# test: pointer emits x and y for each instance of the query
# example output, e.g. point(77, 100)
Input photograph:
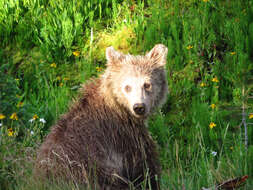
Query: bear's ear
point(113, 57)
point(158, 55)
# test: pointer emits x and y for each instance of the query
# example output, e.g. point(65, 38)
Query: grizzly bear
point(103, 142)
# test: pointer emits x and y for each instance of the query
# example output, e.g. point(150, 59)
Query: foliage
point(48, 48)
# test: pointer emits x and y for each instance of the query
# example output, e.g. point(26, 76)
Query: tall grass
point(49, 48)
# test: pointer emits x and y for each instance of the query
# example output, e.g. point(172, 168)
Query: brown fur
point(99, 142)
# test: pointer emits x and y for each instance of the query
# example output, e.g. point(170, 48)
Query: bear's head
point(136, 83)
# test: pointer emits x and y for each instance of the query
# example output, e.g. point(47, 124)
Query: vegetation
point(48, 48)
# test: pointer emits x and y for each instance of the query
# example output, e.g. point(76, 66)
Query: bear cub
point(102, 141)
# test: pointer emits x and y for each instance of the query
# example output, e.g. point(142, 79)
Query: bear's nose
point(139, 108)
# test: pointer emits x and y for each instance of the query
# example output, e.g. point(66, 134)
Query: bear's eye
point(127, 88)
point(147, 86)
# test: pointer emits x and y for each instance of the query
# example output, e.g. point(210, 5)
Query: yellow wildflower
point(231, 148)
point(61, 84)
point(58, 78)
point(191, 62)
point(2, 116)
point(14, 116)
point(212, 125)
point(232, 53)
point(205, 1)
point(76, 53)
point(215, 79)
point(202, 84)
point(65, 78)
point(212, 106)
point(53, 65)
point(189, 47)
point(99, 69)
point(10, 132)
point(251, 116)
point(35, 117)
point(20, 104)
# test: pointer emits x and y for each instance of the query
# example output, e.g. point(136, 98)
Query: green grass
point(207, 40)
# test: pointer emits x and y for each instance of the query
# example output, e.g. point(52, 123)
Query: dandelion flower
point(205, 1)
point(214, 153)
point(2, 116)
point(20, 104)
point(76, 53)
point(99, 69)
point(58, 78)
point(215, 79)
point(232, 53)
point(42, 120)
point(213, 106)
point(189, 47)
point(10, 132)
point(14, 116)
point(61, 84)
point(202, 84)
point(53, 65)
point(212, 125)
point(35, 116)
point(251, 116)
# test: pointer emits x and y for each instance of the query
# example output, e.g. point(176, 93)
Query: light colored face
point(137, 82)
point(137, 92)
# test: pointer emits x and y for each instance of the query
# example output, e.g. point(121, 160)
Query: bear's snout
point(139, 108)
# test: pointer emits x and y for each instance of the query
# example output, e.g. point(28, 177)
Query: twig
point(244, 120)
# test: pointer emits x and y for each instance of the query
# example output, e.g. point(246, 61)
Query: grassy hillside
point(48, 48)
